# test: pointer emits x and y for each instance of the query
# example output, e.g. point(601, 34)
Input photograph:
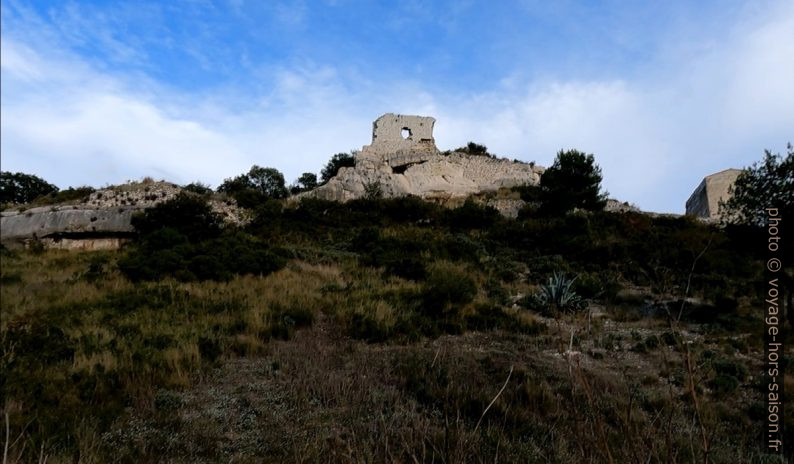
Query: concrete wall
point(704, 201)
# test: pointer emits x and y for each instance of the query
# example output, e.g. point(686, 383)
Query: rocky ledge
point(102, 221)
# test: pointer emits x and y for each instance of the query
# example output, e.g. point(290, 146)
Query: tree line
point(573, 181)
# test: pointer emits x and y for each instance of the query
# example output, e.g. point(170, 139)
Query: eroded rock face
point(412, 165)
point(66, 220)
point(103, 221)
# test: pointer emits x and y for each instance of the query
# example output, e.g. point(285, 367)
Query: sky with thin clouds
point(662, 93)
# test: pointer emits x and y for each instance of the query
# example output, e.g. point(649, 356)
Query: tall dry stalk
point(687, 358)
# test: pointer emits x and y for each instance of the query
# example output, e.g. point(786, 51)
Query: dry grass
point(262, 369)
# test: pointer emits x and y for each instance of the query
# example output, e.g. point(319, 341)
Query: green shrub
point(546, 266)
point(20, 188)
point(447, 288)
point(71, 194)
point(724, 384)
point(366, 327)
point(198, 188)
point(373, 190)
point(472, 215)
point(588, 285)
point(474, 149)
point(182, 238)
point(461, 247)
point(333, 166)
point(399, 257)
point(410, 267)
point(731, 368)
point(187, 214)
point(572, 181)
point(210, 348)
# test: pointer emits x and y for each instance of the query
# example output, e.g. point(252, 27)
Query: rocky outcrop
point(403, 160)
point(617, 206)
point(102, 221)
point(65, 220)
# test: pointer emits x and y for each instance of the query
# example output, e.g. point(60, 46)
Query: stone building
point(704, 201)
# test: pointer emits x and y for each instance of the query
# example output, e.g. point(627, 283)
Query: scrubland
point(391, 331)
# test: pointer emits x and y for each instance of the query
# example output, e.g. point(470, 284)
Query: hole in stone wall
point(406, 132)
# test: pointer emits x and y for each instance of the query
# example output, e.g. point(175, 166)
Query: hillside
point(389, 330)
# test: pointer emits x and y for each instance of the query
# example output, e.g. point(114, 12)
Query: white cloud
point(655, 136)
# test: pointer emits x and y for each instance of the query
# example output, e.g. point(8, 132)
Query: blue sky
point(662, 93)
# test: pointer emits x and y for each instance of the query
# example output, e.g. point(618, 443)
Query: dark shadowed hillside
point(389, 330)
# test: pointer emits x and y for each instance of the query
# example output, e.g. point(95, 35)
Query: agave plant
point(557, 294)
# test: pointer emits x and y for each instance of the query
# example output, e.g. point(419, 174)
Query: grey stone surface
point(101, 221)
point(616, 206)
point(398, 138)
point(414, 166)
point(704, 201)
point(65, 220)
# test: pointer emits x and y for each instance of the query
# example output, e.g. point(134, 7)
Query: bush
point(167, 401)
point(760, 186)
point(307, 181)
point(365, 327)
point(333, 166)
point(472, 215)
point(572, 181)
point(187, 214)
point(588, 285)
point(258, 185)
point(210, 348)
point(183, 239)
point(23, 188)
point(731, 368)
point(399, 257)
point(373, 190)
point(724, 384)
point(198, 188)
point(411, 268)
point(474, 149)
point(69, 195)
point(447, 289)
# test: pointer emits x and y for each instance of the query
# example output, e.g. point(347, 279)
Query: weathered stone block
point(704, 201)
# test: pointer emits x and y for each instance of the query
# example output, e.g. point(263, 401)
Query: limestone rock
point(403, 160)
point(616, 206)
point(47, 221)
point(103, 221)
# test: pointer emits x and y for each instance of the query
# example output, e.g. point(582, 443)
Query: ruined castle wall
point(396, 134)
point(704, 201)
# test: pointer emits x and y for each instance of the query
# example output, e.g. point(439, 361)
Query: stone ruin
point(398, 140)
point(705, 200)
point(403, 160)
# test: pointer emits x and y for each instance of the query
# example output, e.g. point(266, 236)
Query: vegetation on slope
point(389, 330)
